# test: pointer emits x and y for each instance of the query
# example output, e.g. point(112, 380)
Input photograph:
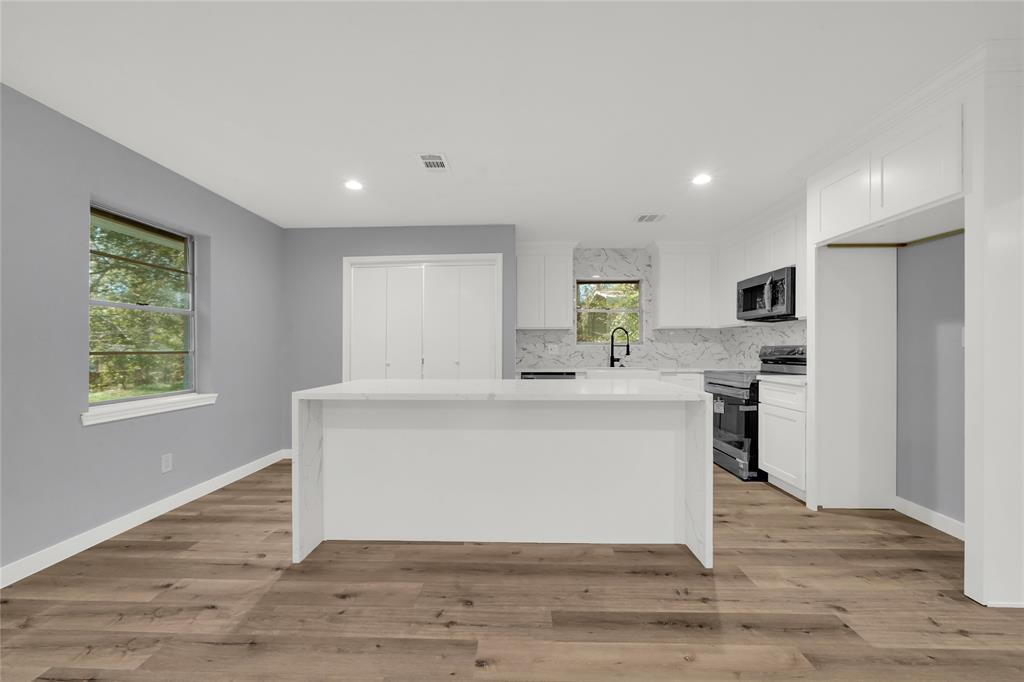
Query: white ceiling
point(565, 119)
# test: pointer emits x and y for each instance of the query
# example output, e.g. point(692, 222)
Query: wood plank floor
point(207, 592)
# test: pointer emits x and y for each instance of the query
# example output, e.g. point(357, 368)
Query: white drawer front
point(783, 395)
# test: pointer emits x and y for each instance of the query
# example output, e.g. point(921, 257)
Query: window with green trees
point(601, 306)
point(141, 311)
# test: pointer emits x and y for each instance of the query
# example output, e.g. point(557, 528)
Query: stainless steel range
point(734, 395)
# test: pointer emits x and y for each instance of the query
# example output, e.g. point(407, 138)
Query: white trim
point(348, 262)
point(24, 567)
point(788, 488)
point(946, 524)
point(1005, 604)
point(112, 412)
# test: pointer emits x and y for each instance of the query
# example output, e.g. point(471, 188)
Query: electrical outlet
point(552, 347)
point(166, 462)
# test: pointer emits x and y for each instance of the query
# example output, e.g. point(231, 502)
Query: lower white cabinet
point(782, 444)
point(782, 435)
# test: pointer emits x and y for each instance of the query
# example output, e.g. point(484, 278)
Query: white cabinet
point(909, 167)
point(682, 276)
point(839, 199)
point(730, 270)
point(413, 320)
point(917, 164)
point(758, 256)
point(544, 286)
point(782, 435)
point(782, 444)
point(529, 291)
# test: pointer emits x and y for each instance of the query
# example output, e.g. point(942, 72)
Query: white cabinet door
point(558, 291)
point(782, 444)
point(839, 199)
point(682, 286)
point(544, 290)
point(801, 265)
point(477, 342)
point(758, 256)
point(530, 291)
point(917, 164)
point(441, 321)
point(783, 244)
point(405, 322)
point(697, 289)
point(368, 320)
point(730, 267)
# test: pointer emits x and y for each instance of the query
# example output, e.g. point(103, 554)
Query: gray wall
point(930, 456)
point(60, 478)
point(313, 290)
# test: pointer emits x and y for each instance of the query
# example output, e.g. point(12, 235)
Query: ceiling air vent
point(649, 217)
point(435, 163)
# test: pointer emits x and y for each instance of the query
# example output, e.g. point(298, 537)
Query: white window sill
point(101, 414)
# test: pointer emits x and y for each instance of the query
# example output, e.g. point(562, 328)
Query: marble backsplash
point(733, 347)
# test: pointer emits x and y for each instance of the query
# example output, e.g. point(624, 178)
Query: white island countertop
point(503, 389)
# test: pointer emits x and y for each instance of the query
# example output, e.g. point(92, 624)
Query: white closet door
point(476, 327)
point(405, 322)
point(368, 336)
point(441, 322)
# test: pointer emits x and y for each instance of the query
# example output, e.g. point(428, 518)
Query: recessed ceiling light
point(354, 185)
point(701, 179)
point(595, 277)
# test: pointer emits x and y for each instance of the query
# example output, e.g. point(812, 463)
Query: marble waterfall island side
point(597, 461)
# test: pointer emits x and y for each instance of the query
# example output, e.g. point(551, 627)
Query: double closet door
point(423, 320)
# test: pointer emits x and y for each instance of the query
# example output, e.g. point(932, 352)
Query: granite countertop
point(503, 389)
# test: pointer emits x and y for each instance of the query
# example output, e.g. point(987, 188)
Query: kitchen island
point(596, 461)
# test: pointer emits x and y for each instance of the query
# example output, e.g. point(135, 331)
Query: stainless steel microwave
point(770, 297)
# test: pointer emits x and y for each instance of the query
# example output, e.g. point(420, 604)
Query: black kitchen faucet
point(611, 354)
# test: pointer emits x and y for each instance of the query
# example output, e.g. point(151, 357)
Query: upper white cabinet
point(683, 285)
point(911, 166)
point(917, 164)
point(544, 285)
point(839, 199)
point(730, 270)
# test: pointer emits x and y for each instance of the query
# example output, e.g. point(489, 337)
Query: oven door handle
point(719, 389)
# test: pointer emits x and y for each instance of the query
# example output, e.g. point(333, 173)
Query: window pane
point(116, 280)
point(127, 330)
point(608, 295)
point(121, 238)
point(115, 377)
point(596, 327)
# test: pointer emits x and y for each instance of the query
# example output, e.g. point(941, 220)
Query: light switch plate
point(166, 462)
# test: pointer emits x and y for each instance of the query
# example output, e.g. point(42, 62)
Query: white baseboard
point(24, 567)
point(946, 524)
point(1005, 604)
